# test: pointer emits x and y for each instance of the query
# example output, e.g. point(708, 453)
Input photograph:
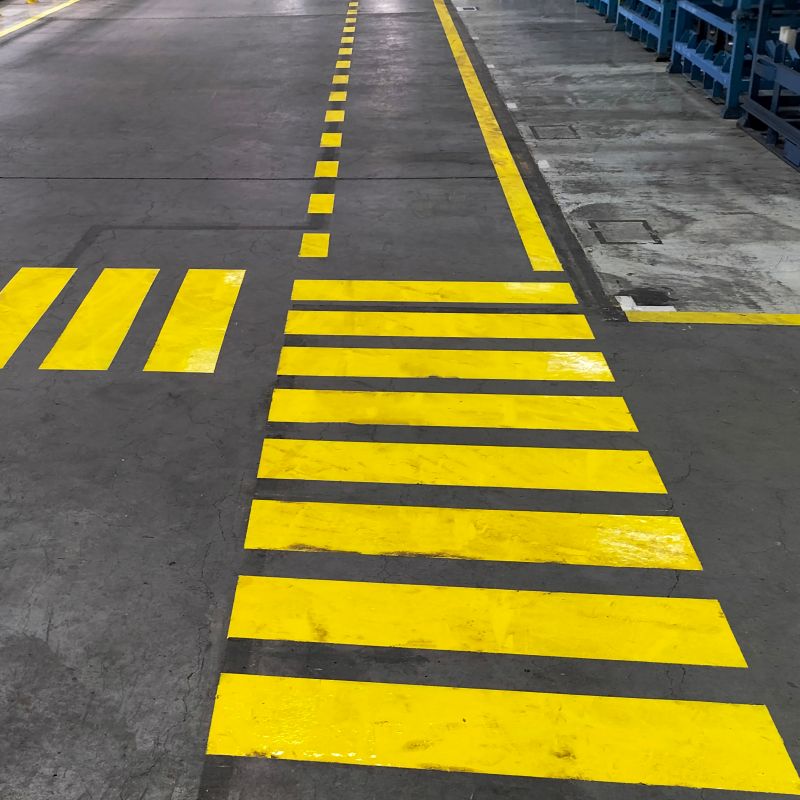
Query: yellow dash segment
point(369, 362)
point(320, 204)
point(438, 325)
point(330, 140)
point(434, 292)
point(349, 29)
point(341, 79)
point(568, 469)
point(713, 318)
point(665, 630)
point(99, 326)
point(445, 409)
point(537, 244)
point(347, 39)
point(314, 245)
point(34, 19)
point(342, 65)
point(350, 20)
point(334, 115)
point(337, 97)
point(23, 301)
point(601, 540)
point(326, 169)
point(345, 51)
point(194, 330)
point(533, 734)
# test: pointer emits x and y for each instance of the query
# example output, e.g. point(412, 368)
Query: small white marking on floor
point(512, 106)
point(543, 164)
point(627, 303)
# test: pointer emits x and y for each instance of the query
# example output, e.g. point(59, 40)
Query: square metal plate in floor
point(554, 132)
point(624, 231)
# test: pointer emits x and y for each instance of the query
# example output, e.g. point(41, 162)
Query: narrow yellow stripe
point(602, 540)
point(341, 79)
point(194, 330)
point(537, 245)
point(31, 20)
point(347, 39)
point(23, 301)
point(445, 409)
point(713, 317)
point(350, 20)
point(349, 29)
point(99, 326)
point(330, 140)
point(540, 735)
point(320, 204)
point(334, 115)
point(461, 465)
point(337, 97)
point(664, 630)
point(314, 245)
point(345, 51)
point(374, 362)
point(326, 169)
point(434, 291)
point(438, 325)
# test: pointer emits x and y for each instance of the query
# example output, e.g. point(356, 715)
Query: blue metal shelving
point(649, 21)
point(606, 8)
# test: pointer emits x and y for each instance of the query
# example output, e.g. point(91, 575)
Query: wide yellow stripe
point(433, 291)
point(603, 540)
point(713, 318)
point(193, 332)
point(537, 245)
point(545, 412)
point(374, 362)
point(461, 465)
point(35, 18)
point(23, 301)
point(441, 325)
point(99, 326)
point(559, 624)
point(540, 735)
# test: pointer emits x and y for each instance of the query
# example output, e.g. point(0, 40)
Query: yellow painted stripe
point(192, 335)
point(342, 64)
point(532, 734)
point(713, 317)
point(602, 540)
point(433, 291)
point(23, 301)
point(341, 79)
point(314, 245)
point(349, 29)
point(446, 409)
point(350, 20)
point(334, 115)
point(99, 326)
point(375, 362)
point(461, 465)
point(320, 204)
point(337, 97)
point(537, 245)
point(438, 325)
point(345, 51)
point(35, 18)
point(326, 169)
point(330, 140)
point(347, 39)
point(664, 630)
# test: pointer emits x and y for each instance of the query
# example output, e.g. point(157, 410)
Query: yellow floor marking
point(438, 325)
point(314, 245)
point(326, 169)
point(434, 291)
point(99, 326)
point(461, 465)
point(337, 97)
point(532, 734)
point(347, 39)
point(665, 630)
point(341, 79)
point(446, 409)
point(345, 51)
point(713, 317)
point(320, 204)
point(334, 115)
point(374, 362)
point(349, 29)
point(602, 540)
point(342, 65)
point(23, 301)
point(537, 245)
point(32, 20)
point(194, 330)
point(350, 20)
point(330, 140)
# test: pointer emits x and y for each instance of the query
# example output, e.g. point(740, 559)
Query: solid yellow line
point(603, 540)
point(438, 325)
point(537, 244)
point(461, 465)
point(314, 245)
point(713, 318)
point(99, 326)
point(446, 409)
point(375, 362)
point(433, 291)
point(194, 330)
point(541, 735)
point(31, 20)
point(665, 630)
point(23, 301)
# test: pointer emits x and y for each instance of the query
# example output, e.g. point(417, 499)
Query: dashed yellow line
point(330, 139)
point(314, 245)
point(320, 204)
point(326, 169)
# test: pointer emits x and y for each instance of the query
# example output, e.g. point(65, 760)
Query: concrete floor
point(172, 134)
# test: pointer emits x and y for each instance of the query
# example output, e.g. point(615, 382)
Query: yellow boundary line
point(534, 238)
point(713, 317)
point(31, 20)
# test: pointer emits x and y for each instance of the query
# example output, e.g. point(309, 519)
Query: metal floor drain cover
point(624, 231)
point(554, 132)
point(651, 296)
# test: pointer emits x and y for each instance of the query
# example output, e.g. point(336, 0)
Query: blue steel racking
point(649, 21)
point(606, 8)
